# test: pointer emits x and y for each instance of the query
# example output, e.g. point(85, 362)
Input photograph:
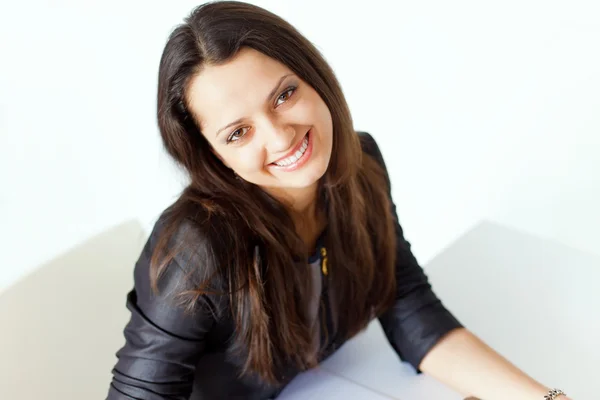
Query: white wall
point(483, 111)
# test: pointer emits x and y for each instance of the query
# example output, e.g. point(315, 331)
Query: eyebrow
point(271, 94)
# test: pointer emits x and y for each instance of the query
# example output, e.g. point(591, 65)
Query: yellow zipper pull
point(324, 262)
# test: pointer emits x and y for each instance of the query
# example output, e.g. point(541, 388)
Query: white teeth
point(296, 156)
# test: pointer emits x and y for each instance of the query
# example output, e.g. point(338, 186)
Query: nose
point(278, 137)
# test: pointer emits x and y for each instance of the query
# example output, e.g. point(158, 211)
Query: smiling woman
point(241, 282)
point(286, 242)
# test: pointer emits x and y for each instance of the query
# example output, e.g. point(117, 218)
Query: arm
point(461, 360)
point(424, 333)
point(418, 319)
point(162, 343)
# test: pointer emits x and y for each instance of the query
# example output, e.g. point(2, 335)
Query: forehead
point(222, 93)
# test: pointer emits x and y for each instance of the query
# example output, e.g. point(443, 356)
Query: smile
point(298, 157)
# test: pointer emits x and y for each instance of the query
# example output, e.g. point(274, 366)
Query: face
point(264, 122)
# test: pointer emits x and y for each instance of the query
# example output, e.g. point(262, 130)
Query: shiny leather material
point(169, 354)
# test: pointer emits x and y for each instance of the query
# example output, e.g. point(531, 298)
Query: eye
point(283, 97)
point(237, 135)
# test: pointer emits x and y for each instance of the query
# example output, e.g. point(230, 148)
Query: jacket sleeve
point(163, 343)
point(418, 319)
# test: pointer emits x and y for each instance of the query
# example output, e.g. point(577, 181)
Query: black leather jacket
point(170, 355)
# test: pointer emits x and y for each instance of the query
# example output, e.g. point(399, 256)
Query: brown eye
point(283, 97)
point(237, 135)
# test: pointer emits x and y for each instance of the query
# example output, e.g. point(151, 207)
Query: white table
point(369, 368)
point(534, 300)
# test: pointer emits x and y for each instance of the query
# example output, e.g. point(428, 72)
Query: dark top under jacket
point(169, 354)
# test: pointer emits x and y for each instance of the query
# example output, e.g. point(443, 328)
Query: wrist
point(556, 394)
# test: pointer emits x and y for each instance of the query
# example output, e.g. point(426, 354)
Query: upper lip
point(293, 151)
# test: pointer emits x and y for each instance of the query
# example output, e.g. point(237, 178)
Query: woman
point(285, 243)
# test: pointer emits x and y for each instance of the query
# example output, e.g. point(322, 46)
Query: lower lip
point(301, 161)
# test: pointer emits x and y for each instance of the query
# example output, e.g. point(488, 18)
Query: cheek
point(305, 110)
point(246, 160)
point(318, 111)
point(325, 114)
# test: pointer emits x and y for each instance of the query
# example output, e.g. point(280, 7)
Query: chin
point(308, 179)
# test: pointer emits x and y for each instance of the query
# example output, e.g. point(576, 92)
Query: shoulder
point(184, 249)
point(370, 147)
point(173, 304)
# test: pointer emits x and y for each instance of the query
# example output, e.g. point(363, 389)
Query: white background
point(483, 110)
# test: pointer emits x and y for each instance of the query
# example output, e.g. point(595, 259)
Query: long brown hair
point(249, 238)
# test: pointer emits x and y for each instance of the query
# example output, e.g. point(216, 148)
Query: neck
point(304, 203)
point(299, 202)
point(302, 206)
